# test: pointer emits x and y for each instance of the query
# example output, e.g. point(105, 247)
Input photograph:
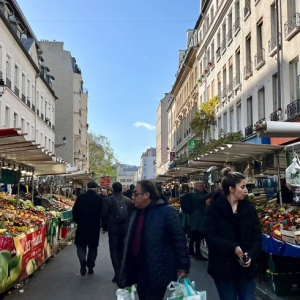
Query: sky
point(128, 53)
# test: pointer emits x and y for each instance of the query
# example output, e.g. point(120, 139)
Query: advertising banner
point(30, 246)
point(105, 181)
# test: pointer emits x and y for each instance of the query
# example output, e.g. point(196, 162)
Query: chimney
point(190, 34)
point(181, 54)
point(13, 21)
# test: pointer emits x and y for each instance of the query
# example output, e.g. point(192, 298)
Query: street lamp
point(64, 141)
point(2, 87)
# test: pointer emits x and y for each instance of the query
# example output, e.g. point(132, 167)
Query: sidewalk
point(60, 279)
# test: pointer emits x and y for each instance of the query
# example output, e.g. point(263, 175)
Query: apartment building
point(126, 174)
point(29, 99)
point(162, 147)
point(147, 167)
point(232, 53)
point(71, 108)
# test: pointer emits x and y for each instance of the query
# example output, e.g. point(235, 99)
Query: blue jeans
point(239, 288)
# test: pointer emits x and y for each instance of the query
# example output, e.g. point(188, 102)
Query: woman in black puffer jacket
point(232, 232)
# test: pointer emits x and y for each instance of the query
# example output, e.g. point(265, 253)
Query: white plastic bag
point(292, 173)
point(127, 294)
point(185, 291)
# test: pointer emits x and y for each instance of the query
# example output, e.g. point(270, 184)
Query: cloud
point(143, 124)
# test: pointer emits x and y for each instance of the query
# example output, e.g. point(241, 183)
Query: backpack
point(120, 215)
point(186, 202)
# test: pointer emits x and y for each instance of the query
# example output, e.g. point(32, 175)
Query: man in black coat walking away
point(115, 216)
point(128, 193)
point(155, 250)
point(87, 212)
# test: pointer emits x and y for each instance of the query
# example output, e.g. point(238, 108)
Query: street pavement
point(60, 279)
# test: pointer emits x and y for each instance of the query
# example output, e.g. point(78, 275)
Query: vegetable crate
point(284, 284)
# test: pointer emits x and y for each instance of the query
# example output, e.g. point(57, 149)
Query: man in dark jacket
point(128, 193)
point(155, 250)
point(87, 212)
point(196, 219)
point(114, 221)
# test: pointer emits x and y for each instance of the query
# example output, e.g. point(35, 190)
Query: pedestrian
point(233, 236)
point(128, 193)
point(104, 193)
point(155, 250)
point(196, 220)
point(115, 217)
point(87, 212)
point(286, 193)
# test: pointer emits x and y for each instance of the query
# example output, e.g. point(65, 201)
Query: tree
point(102, 160)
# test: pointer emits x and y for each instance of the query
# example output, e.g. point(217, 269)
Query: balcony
point(230, 88)
point(28, 103)
point(8, 83)
point(261, 120)
point(237, 26)
point(53, 127)
point(248, 130)
point(223, 46)
point(16, 91)
point(247, 10)
point(229, 37)
point(237, 81)
point(218, 54)
point(23, 98)
point(273, 45)
point(42, 116)
point(248, 71)
point(259, 59)
point(38, 112)
point(49, 123)
point(275, 116)
point(33, 107)
point(293, 109)
point(224, 94)
point(292, 27)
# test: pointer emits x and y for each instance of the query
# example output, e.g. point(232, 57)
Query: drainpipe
point(278, 57)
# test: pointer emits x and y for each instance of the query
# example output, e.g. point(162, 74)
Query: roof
point(79, 176)
point(16, 149)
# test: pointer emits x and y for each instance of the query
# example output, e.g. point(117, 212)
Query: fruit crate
point(283, 264)
point(284, 284)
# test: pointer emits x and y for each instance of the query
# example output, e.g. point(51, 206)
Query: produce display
point(174, 202)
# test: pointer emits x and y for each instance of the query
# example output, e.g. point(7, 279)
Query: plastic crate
point(284, 284)
point(283, 264)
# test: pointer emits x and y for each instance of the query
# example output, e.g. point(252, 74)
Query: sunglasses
point(135, 193)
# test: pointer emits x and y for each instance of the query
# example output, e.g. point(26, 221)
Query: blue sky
point(128, 53)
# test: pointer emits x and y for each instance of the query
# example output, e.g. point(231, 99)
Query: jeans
point(239, 288)
point(116, 250)
point(195, 238)
point(91, 256)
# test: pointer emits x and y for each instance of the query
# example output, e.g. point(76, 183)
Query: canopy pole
point(32, 187)
point(279, 185)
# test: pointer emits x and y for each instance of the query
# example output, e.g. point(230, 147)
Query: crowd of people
point(149, 246)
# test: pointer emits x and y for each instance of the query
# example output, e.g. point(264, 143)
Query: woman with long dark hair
point(233, 235)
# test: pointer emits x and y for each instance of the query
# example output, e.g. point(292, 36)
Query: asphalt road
point(60, 279)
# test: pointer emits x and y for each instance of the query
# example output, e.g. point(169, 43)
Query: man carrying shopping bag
point(155, 249)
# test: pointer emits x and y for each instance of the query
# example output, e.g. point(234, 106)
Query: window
point(259, 28)
point(248, 49)
point(23, 125)
point(28, 88)
point(230, 74)
point(8, 67)
point(239, 116)
point(231, 119)
point(291, 8)
point(37, 137)
point(212, 14)
point(15, 120)
point(1, 71)
point(237, 66)
point(261, 103)
point(208, 92)
point(28, 131)
point(275, 91)
point(7, 117)
point(16, 79)
point(23, 85)
point(237, 12)
point(42, 139)
point(229, 27)
point(219, 126)
point(213, 89)
point(249, 112)
point(273, 21)
point(294, 82)
point(219, 85)
point(225, 122)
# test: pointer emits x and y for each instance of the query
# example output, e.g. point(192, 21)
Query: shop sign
point(105, 181)
point(192, 145)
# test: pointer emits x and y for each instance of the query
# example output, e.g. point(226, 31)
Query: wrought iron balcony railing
point(38, 112)
point(23, 98)
point(33, 107)
point(259, 59)
point(293, 109)
point(16, 91)
point(237, 80)
point(248, 70)
point(274, 116)
point(8, 83)
point(261, 120)
point(237, 25)
point(247, 8)
point(273, 43)
point(42, 116)
point(292, 26)
point(229, 36)
point(249, 130)
point(28, 103)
